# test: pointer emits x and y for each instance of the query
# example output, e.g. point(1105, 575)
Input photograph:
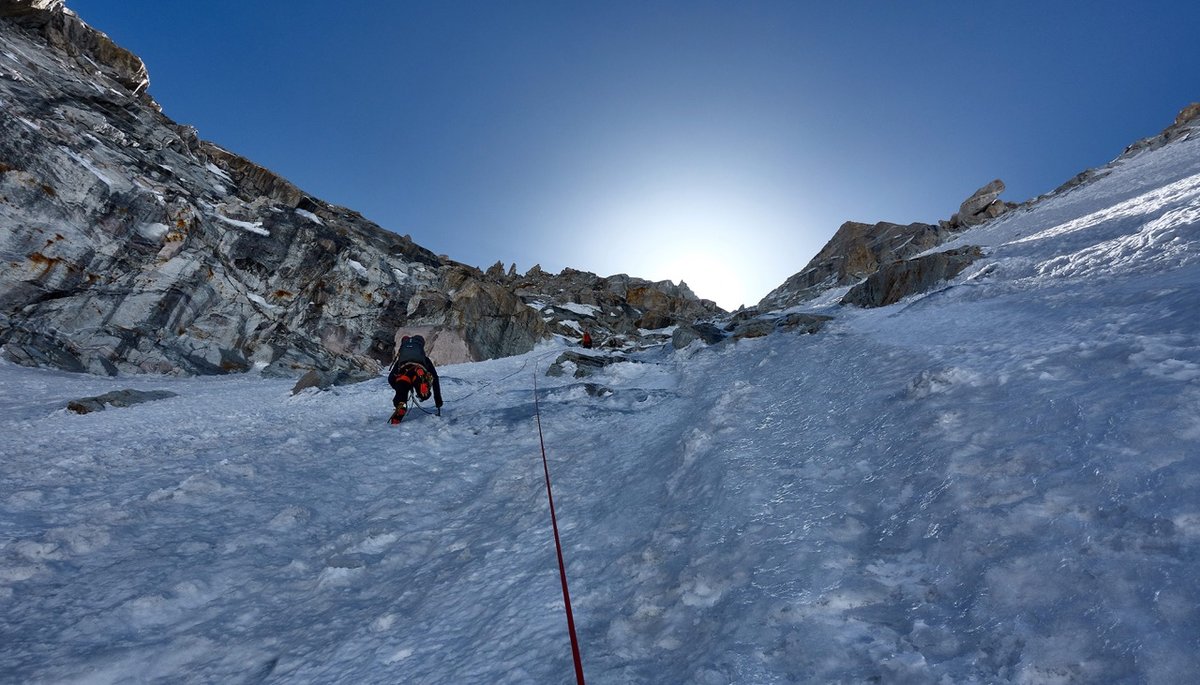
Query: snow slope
point(995, 482)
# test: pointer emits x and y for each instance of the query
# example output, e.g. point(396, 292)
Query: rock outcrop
point(581, 365)
point(1186, 123)
point(855, 252)
point(983, 206)
point(858, 250)
point(117, 398)
point(750, 323)
point(89, 48)
point(131, 245)
point(618, 311)
point(709, 333)
point(897, 280)
point(324, 380)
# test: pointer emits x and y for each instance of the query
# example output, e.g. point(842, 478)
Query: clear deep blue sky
point(718, 143)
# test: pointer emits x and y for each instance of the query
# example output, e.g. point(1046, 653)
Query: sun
point(715, 242)
point(709, 274)
point(704, 215)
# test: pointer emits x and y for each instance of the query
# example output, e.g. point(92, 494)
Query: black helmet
point(419, 339)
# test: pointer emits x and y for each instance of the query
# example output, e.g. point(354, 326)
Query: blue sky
point(717, 143)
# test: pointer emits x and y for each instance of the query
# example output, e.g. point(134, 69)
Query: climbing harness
point(415, 376)
point(562, 569)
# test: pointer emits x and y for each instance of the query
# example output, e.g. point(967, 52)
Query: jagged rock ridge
point(617, 310)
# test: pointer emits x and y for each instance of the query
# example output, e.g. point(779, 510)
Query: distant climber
point(587, 340)
point(413, 372)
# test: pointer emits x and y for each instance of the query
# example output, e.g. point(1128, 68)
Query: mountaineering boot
point(397, 416)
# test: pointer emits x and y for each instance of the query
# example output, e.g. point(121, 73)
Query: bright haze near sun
point(720, 144)
point(690, 214)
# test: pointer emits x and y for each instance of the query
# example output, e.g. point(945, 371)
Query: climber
point(413, 371)
point(587, 340)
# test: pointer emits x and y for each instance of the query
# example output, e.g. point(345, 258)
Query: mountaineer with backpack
point(413, 372)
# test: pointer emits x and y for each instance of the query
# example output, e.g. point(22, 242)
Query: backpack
point(411, 350)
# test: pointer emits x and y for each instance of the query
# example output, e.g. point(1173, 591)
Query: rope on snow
point(562, 569)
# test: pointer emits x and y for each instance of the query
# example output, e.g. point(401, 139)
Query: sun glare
point(714, 239)
point(709, 276)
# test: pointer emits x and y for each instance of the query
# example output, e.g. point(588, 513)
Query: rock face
point(893, 282)
point(854, 252)
point(489, 319)
point(131, 245)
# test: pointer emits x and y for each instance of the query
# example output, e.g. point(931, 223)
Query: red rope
point(562, 569)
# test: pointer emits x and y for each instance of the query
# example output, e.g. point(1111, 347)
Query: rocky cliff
point(130, 245)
